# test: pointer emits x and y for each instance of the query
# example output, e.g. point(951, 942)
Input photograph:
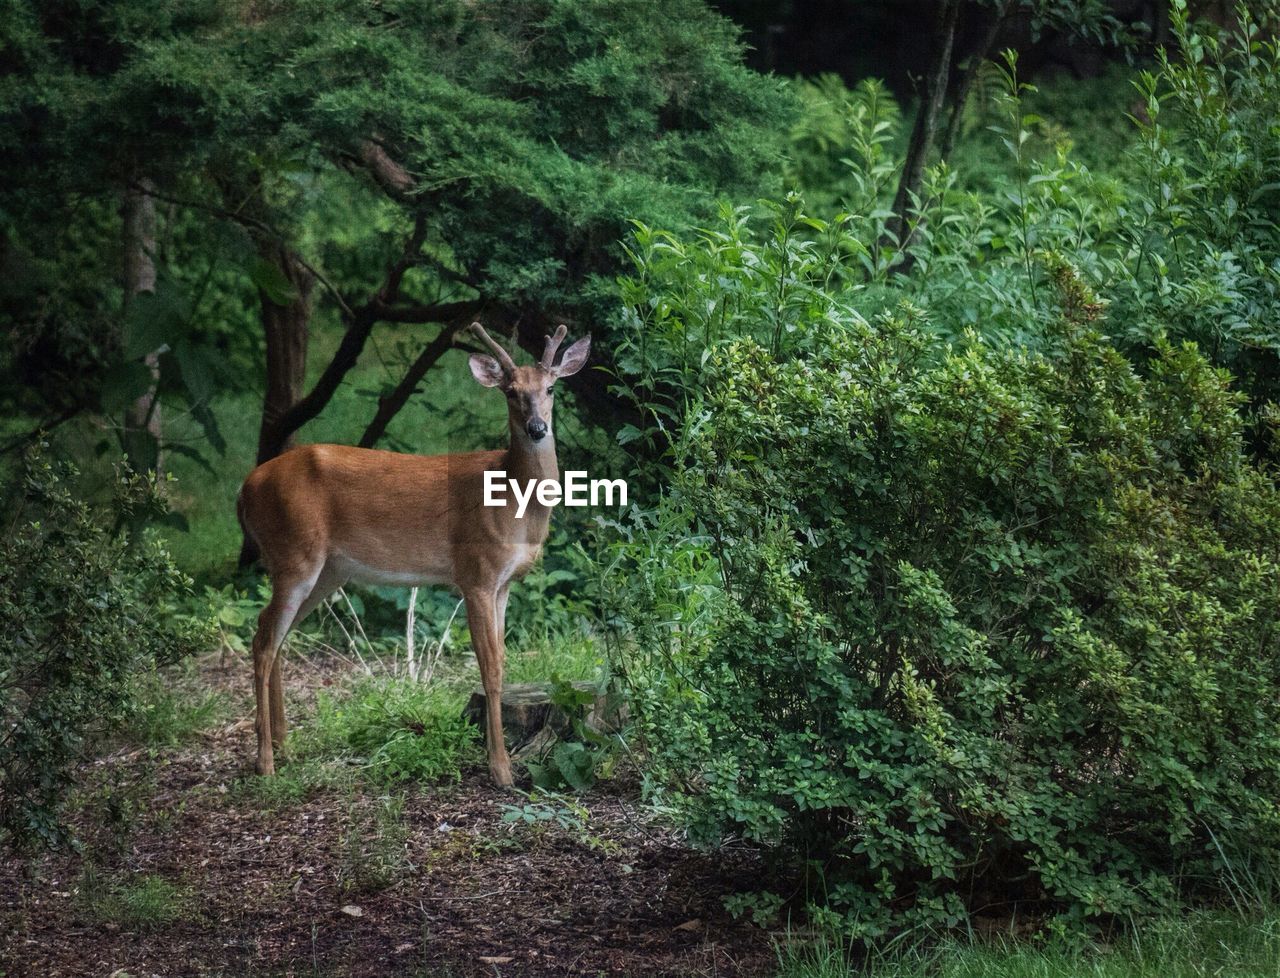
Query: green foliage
point(963, 619)
point(398, 731)
point(1174, 225)
point(158, 714)
point(83, 605)
point(581, 754)
point(1204, 230)
point(235, 615)
point(545, 809)
point(293, 783)
point(839, 143)
point(532, 132)
point(373, 846)
point(141, 902)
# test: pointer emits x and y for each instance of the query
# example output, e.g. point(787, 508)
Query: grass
point(373, 852)
point(395, 731)
point(1196, 945)
point(294, 783)
point(142, 901)
point(566, 656)
point(169, 707)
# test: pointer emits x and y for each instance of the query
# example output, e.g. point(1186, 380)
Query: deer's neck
point(532, 461)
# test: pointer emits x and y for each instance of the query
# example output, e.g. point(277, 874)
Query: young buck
point(323, 515)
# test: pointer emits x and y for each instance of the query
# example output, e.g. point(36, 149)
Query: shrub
point(1196, 238)
point(83, 603)
point(964, 620)
point(1177, 227)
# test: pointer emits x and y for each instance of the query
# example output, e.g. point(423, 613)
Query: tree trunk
point(141, 435)
point(926, 124)
point(976, 60)
point(286, 327)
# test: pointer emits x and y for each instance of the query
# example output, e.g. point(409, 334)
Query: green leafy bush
point(964, 620)
point(83, 604)
point(1202, 228)
point(949, 593)
point(1175, 222)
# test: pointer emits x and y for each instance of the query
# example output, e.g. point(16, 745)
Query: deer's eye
point(549, 389)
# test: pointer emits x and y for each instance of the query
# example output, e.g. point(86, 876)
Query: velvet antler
point(501, 355)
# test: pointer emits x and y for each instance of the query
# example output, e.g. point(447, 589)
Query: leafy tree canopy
point(518, 136)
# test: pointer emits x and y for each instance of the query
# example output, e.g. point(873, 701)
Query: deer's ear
point(575, 358)
point(486, 370)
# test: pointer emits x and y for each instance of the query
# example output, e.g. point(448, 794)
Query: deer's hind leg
point(289, 590)
point(325, 584)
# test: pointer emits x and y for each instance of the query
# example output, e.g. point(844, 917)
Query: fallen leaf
point(498, 960)
point(351, 910)
point(694, 924)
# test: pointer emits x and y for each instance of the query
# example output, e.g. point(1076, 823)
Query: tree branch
point(262, 228)
point(21, 441)
point(390, 290)
point(348, 352)
point(394, 179)
point(389, 405)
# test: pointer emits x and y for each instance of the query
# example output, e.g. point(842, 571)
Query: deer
point(324, 515)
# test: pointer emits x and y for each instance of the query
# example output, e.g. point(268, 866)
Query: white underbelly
point(355, 571)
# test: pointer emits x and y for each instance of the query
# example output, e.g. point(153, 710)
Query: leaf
point(628, 433)
point(193, 366)
point(275, 285)
point(124, 384)
point(197, 367)
point(177, 448)
point(154, 319)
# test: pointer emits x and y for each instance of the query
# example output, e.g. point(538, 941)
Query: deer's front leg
point(490, 653)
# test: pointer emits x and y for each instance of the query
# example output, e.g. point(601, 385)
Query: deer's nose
point(537, 429)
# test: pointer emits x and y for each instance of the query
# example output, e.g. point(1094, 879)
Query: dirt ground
point(283, 889)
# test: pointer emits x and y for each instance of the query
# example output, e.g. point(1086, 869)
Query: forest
point(916, 372)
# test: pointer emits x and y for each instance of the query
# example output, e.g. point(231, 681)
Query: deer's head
point(529, 390)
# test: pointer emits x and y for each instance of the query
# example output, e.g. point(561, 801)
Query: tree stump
point(533, 721)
